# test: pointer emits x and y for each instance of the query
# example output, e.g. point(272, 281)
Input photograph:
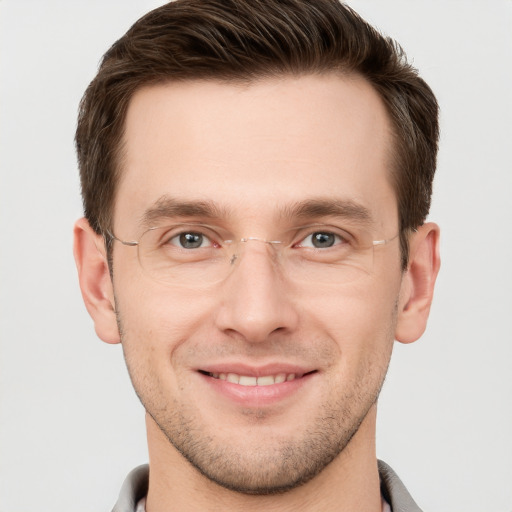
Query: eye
point(190, 240)
point(321, 240)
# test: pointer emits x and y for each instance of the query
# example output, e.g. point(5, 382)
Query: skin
point(256, 150)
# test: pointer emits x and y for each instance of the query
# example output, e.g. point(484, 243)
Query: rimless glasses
point(196, 255)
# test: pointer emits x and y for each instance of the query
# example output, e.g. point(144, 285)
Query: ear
point(95, 281)
point(418, 282)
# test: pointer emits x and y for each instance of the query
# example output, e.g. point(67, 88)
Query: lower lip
point(257, 396)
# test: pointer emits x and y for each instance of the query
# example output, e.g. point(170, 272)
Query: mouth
point(252, 380)
point(257, 387)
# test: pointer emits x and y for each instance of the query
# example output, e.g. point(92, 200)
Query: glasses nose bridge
point(236, 246)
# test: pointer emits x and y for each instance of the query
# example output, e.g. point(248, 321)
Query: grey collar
point(394, 490)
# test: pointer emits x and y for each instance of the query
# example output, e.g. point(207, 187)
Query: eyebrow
point(342, 208)
point(167, 207)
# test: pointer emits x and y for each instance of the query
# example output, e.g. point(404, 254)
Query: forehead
point(252, 147)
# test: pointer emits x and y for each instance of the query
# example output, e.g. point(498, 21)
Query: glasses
point(198, 255)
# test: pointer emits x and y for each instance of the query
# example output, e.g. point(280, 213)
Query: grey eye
point(191, 240)
point(322, 240)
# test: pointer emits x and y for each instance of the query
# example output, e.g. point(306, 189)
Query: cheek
point(156, 321)
point(361, 322)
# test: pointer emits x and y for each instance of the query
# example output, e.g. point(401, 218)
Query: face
point(208, 357)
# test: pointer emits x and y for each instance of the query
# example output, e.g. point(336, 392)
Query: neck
point(350, 482)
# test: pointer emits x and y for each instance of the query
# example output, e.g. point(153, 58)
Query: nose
point(255, 300)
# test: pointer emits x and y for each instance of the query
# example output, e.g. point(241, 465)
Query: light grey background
point(70, 424)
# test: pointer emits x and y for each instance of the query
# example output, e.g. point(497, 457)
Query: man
point(256, 176)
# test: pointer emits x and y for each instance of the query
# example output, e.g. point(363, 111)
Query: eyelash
point(338, 239)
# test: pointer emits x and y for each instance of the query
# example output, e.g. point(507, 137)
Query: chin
point(260, 462)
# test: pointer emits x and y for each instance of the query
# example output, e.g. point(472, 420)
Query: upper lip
point(256, 371)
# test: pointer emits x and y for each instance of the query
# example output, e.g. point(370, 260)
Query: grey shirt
point(135, 487)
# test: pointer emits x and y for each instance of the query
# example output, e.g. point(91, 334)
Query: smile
point(247, 380)
point(253, 387)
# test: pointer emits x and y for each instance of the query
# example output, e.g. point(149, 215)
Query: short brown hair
point(244, 40)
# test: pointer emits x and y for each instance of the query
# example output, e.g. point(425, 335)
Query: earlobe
point(95, 281)
point(418, 282)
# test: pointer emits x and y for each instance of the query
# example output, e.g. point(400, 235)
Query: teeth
point(234, 378)
point(246, 380)
point(268, 380)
